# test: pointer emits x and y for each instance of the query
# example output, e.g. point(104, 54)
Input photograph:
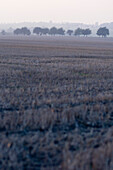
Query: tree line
point(102, 31)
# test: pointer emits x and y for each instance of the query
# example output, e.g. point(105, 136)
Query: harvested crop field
point(56, 103)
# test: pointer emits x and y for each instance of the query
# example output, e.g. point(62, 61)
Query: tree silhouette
point(17, 31)
point(103, 31)
point(78, 32)
point(37, 30)
point(23, 31)
point(53, 31)
point(70, 32)
point(60, 31)
point(45, 31)
point(3, 32)
point(86, 32)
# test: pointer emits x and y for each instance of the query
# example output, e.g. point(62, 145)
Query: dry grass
point(56, 112)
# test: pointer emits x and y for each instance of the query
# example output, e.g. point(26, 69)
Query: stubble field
point(56, 103)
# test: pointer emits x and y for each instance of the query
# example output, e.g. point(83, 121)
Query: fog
point(86, 11)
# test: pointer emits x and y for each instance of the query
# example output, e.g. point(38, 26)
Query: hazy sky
point(86, 11)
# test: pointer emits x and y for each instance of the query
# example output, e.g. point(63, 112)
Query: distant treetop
point(70, 32)
point(84, 32)
point(103, 31)
point(51, 31)
point(23, 31)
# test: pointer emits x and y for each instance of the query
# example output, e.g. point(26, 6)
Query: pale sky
point(86, 11)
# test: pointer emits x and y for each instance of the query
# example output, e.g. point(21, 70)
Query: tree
point(86, 31)
point(53, 31)
point(24, 31)
point(78, 32)
point(70, 32)
point(3, 32)
point(45, 31)
point(37, 30)
point(60, 31)
point(17, 31)
point(103, 31)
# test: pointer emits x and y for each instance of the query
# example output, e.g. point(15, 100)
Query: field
point(56, 103)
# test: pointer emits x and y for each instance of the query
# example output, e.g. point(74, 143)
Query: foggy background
point(69, 14)
point(85, 11)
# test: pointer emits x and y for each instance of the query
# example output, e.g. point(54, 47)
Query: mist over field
point(10, 27)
